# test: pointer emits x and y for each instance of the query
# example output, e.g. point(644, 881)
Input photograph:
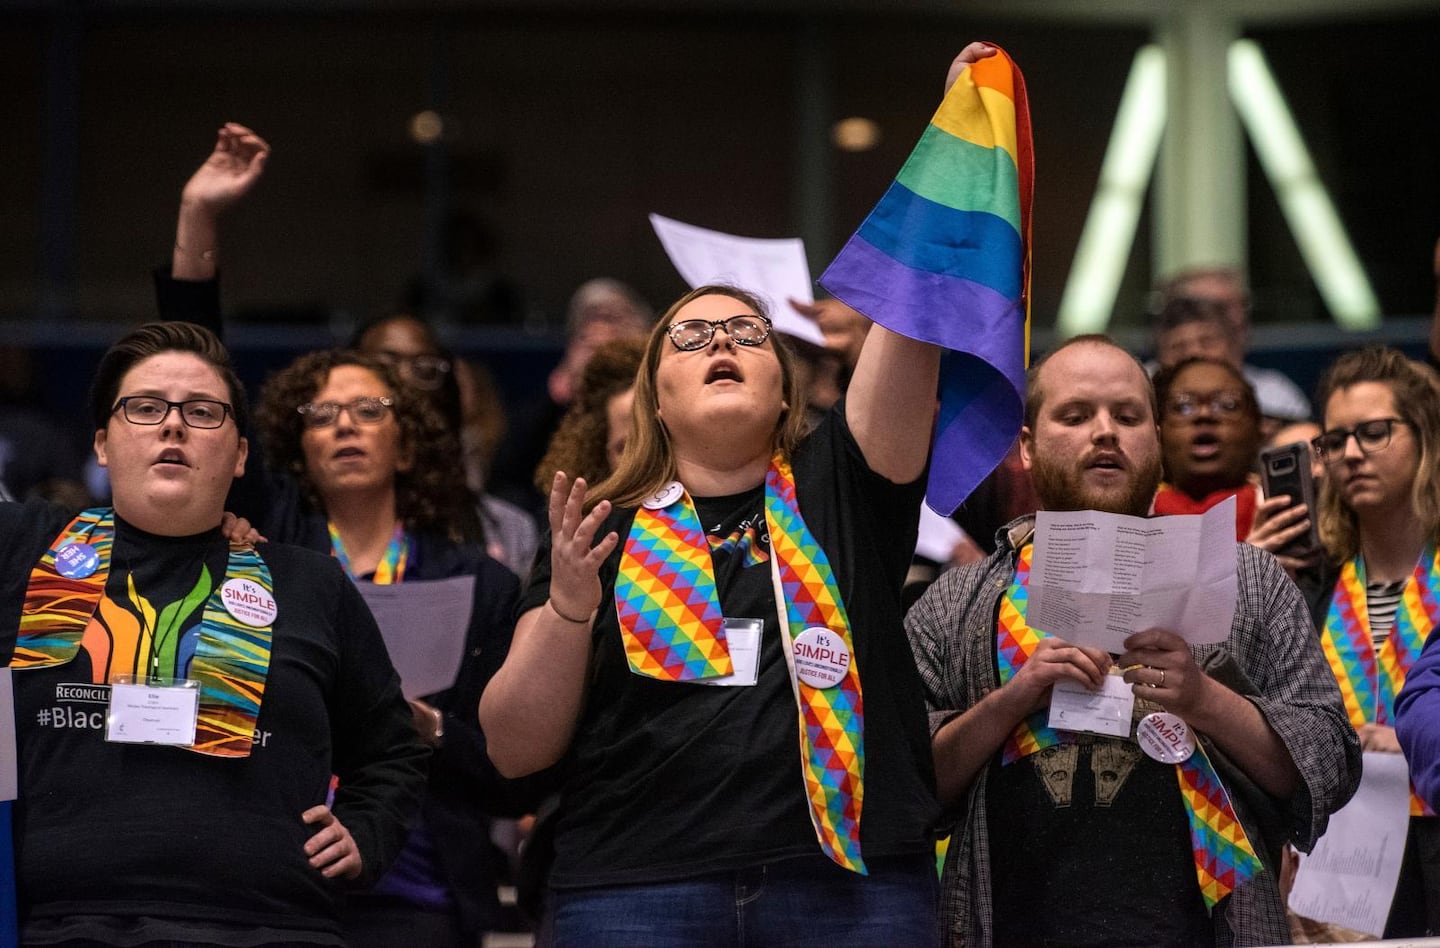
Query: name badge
point(742, 638)
point(152, 711)
point(1073, 707)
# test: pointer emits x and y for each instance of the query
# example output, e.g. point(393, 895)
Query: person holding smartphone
point(1374, 598)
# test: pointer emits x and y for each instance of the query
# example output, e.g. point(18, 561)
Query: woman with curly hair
point(369, 459)
point(374, 478)
point(594, 430)
point(1375, 601)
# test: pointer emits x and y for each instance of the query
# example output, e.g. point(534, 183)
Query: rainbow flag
point(945, 258)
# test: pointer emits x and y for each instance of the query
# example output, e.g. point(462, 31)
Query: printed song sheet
point(1096, 578)
point(423, 623)
point(774, 270)
point(1349, 879)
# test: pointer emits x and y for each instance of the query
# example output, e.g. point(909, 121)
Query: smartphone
point(1285, 469)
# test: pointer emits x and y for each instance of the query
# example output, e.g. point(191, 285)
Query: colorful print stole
point(665, 598)
point(669, 547)
point(1369, 681)
point(390, 569)
point(231, 659)
point(1224, 856)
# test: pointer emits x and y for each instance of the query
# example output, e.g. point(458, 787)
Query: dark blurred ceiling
point(1131, 12)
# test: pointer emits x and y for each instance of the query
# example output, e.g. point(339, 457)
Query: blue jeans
point(793, 903)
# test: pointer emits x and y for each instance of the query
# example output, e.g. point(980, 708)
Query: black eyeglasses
point(422, 371)
point(1371, 436)
point(1224, 404)
point(743, 330)
point(363, 411)
point(194, 412)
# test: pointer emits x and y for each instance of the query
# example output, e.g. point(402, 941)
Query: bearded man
point(1064, 837)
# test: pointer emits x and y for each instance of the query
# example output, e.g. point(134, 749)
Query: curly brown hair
point(431, 496)
point(578, 445)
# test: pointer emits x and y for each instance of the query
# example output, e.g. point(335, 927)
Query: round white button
point(1165, 737)
point(248, 602)
point(664, 497)
point(821, 658)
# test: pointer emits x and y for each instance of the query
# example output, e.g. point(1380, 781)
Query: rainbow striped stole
point(672, 628)
point(945, 258)
point(665, 599)
point(832, 720)
point(390, 569)
point(1369, 681)
point(1015, 643)
point(231, 660)
point(58, 608)
point(1224, 856)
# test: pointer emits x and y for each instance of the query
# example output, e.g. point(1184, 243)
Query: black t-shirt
point(109, 833)
point(1091, 847)
point(668, 780)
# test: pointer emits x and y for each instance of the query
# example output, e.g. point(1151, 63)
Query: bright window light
point(1109, 233)
point(1307, 206)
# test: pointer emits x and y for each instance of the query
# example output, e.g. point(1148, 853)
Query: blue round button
point(76, 560)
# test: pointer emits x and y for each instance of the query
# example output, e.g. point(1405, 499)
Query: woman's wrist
point(571, 619)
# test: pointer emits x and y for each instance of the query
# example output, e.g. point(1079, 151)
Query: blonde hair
point(1417, 401)
point(648, 462)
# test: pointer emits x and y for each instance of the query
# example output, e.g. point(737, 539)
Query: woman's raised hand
point(970, 54)
point(575, 557)
point(232, 169)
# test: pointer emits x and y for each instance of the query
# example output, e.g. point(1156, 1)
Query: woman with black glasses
point(711, 641)
point(368, 472)
point(1375, 600)
point(182, 702)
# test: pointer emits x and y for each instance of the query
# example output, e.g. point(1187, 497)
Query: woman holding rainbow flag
point(728, 596)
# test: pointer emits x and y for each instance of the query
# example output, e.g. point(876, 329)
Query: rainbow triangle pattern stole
point(1369, 681)
point(665, 598)
point(832, 720)
point(1224, 856)
point(231, 660)
point(666, 594)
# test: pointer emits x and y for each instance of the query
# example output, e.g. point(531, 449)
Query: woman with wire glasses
point(375, 480)
point(712, 644)
point(1209, 436)
point(1375, 599)
point(182, 702)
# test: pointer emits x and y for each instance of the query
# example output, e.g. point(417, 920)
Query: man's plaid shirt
point(952, 632)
